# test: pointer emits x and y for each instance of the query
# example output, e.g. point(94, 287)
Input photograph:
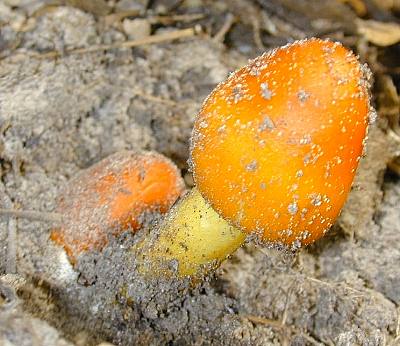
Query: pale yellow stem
point(192, 240)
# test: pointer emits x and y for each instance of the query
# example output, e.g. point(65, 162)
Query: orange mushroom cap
point(112, 196)
point(276, 146)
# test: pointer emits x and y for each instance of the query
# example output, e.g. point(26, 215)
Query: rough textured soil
point(62, 111)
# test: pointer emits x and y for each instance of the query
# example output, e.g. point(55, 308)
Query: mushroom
point(274, 151)
point(113, 196)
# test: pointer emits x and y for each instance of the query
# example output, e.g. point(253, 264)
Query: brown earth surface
point(72, 93)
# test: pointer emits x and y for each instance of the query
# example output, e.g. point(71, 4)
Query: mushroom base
point(192, 240)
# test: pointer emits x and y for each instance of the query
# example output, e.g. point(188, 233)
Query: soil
point(65, 106)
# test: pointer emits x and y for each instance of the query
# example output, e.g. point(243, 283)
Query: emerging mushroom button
point(112, 196)
point(276, 146)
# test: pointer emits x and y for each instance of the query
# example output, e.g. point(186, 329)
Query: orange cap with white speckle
point(276, 146)
point(112, 196)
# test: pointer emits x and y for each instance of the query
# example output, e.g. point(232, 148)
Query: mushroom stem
point(192, 240)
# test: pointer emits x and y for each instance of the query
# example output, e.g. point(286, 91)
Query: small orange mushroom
point(112, 196)
point(274, 152)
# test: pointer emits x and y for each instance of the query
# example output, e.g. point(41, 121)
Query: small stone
point(252, 166)
point(136, 29)
point(303, 96)
point(267, 124)
point(292, 208)
point(266, 93)
point(132, 5)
